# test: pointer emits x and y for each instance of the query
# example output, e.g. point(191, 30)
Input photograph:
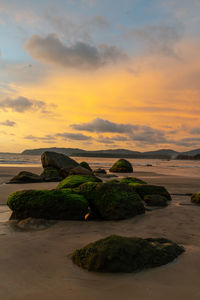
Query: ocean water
point(168, 167)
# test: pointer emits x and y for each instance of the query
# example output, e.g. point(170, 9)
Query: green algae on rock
point(48, 204)
point(73, 181)
point(51, 174)
point(147, 189)
point(85, 165)
point(132, 181)
point(126, 254)
point(26, 177)
point(155, 200)
point(196, 198)
point(122, 166)
point(112, 201)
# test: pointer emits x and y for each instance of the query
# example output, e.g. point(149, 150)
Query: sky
point(99, 74)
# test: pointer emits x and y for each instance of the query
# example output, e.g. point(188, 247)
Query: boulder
point(126, 254)
point(155, 200)
point(132, 181)
point(85, 165)
point(73, 181)
point(122, 166)
point(112, 201)
point(48, 204)
point(51, 174)
point(26, 177)
point(196, 198)
point(58, 161)
point(80, 171)
point(147, 189)
point(99, 171)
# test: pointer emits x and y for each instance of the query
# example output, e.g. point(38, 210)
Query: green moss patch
point(124, 254)
point(85, 165)
point(147, 189)
point(155, 200)
point(132, 181)
point(196, 198)
point(48, 204)
point(73, 181)
point(122, 166)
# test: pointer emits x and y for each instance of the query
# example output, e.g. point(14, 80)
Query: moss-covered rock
point(100, 171)
point(155, 200)
point(51, 175)
point(26, 177)
point(196, 198)
point(80, 171)
point(132, 181)
point(147, 189)
point(73, 181)
point(48, 204)
point(85, 165)
point(122, 166)
point(124, 254)
point(112, 201)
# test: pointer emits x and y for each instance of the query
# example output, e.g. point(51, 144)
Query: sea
point(161, 166)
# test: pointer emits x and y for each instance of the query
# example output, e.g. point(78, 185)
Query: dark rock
point(99, 171)
point(85, 165)
point(33, 224)
point(73, 181)
point(147, 189)
point(80, 171)
point(155, 200)
point(132, 181)
point(48, 204)
point(122, 166)
point(196, 198)
point(125, 254)
point(51, 174)
point(112, 201)
point(58, 161)
point(26, 177)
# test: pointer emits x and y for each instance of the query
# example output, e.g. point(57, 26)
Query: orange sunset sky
point(99, 74)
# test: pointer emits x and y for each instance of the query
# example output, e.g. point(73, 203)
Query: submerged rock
point(58, 161)
point(132, 181)
point(85, 165)
point(73, 181)
point(196, 198)
point(26, 177)
point(155, 200)
point(80, 171)
point(147, 189)
point(112, 201)
point(51, 174)
point(125, 254)
point(48, 204)
point(122, 166)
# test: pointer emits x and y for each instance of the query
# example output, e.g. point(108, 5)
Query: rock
point(196, 198)
point(80, 171)
point(26, 177)
point(112, 201)
point(155, 200)
point(126, 254)
point(85, 165)
point(99, 171)
point(51, 174)
point(122, 166)
point(149, 165)
point(48, 204)
point(132, 181)
point(33, 224)
point(58, 161)
point(101, 175)
point(73, 181)
point(147, 189)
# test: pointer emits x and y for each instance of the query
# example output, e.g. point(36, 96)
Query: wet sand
point(37, 264)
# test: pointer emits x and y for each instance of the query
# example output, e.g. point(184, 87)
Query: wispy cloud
point(8, 123)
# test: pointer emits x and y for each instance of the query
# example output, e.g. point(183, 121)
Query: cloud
point(47, 138)
point(22, 104)
point(74, 136)
point(195, 130)
point(157, 39)
point(100, 125)
point(8, 123)
point(80, 55)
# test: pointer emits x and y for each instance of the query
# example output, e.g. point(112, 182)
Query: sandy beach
point(37, 264)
